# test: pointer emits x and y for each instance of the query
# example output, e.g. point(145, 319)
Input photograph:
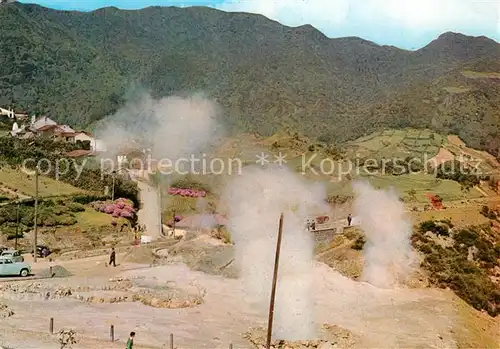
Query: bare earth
point(404, 318)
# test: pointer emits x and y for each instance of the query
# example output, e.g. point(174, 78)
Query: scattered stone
point(333, 337)
point(5, 311)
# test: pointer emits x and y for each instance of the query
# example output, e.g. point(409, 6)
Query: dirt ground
point(149, 300)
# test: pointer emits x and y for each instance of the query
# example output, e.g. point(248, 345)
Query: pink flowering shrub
point(119, 208)
point(109, 209)
point(187, 192)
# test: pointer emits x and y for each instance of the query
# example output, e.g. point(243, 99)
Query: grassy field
point(91, 219)
point(25, 184)
point(396, 144)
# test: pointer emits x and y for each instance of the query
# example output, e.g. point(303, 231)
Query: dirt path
point(382, 318)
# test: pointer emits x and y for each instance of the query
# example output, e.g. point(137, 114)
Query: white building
point(96, 145)
point(7, 112)
point(41, 122)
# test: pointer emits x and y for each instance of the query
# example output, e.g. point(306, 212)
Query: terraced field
point(423, 144)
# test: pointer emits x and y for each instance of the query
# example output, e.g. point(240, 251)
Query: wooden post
point(17, 225)
point(275, 280)
point(51, 326)
point(171, 341)
point(113, 187)
point(112, 333)
point(231, 346)
point(173, 224)
point(36, 217)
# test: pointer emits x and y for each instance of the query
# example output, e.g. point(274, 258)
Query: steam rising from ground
point(256, 200)
point(389, 257)
point(172, 127)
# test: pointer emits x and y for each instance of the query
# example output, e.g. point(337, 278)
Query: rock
point(5, 311)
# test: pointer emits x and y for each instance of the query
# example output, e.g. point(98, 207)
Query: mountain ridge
point(77, 66)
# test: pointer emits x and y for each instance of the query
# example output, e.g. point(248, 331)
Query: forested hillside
point(78, 67)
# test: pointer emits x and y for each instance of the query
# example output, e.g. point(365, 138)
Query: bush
point(87, 199)
point(449, 266)
point(440, 228)
point(76, 207)
point(359, 243)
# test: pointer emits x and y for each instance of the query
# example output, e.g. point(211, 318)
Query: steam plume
point(172, 127)
point(388, 254)
point(256, 200)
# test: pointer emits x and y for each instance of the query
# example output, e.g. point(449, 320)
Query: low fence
point(68, 336)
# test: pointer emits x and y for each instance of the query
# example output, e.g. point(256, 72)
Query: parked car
point(42, 251)
point(15, 255)
point(10, 268)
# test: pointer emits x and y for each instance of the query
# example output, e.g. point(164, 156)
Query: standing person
point(349, 220)
point(112, 257)
point(130, 342)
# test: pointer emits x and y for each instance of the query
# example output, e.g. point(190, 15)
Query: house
point(96, 145)
point(17, 131)
point(7, 112)
point(57, 133)
point(41, 122)
point(79, 153)
point(14, 114)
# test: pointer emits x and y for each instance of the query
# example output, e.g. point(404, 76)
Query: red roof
point(79, 153)
point(202, 221)
point(47, 127)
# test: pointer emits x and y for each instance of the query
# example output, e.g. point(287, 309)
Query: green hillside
point(79, 67)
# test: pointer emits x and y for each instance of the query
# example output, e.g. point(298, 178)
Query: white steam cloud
point(171, 127)
point(256, 200)
point(389, 256)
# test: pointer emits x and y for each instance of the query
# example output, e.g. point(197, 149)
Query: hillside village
point(24, 127)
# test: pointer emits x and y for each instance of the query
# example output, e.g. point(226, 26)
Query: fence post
point(51, 325)
point(112, 333)
point(171, 341)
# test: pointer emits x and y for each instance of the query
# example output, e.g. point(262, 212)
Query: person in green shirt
point(130, 342)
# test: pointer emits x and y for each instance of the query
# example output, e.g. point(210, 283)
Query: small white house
point(41, 122)
point(96, 145)
point(7, 112)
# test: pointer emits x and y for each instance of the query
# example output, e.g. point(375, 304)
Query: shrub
point(449, 266)
point(359, 243)
point(439, 228)
point(87, 199)
point(76, 207)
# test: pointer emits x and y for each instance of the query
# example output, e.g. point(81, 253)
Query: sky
point(408, 24)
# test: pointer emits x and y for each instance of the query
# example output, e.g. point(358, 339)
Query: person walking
point(112, 257)
point(130, 342)
point(349, 220)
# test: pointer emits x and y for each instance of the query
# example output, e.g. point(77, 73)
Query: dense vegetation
point(50, 214)
point(15, 152)
point(79, 67)
point(450, 265)
point(455, 171)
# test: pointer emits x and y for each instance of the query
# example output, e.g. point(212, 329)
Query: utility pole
point(275, 280)
point(36, 216)
point(113, 188)
point(17, 225)
point(173, 224)
point(159, 210)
